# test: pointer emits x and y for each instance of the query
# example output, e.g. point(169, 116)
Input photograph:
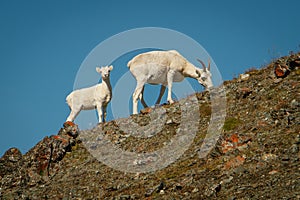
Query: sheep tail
point(69, 100)
point(129, 63)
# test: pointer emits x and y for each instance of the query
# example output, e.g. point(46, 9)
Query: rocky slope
point(256, 157)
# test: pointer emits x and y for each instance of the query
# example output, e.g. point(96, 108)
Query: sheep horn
point(202, 63)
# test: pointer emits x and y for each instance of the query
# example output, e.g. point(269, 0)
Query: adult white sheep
point(95, 97)
point(164, 67)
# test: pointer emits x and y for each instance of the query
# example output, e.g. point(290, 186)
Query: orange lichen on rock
point(69, 123)
point(234, 162)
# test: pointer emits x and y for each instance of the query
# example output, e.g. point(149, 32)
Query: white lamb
point(164, 67)
point(95, 97)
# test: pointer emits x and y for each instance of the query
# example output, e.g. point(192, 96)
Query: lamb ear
point(111, 67)
point(99, 70)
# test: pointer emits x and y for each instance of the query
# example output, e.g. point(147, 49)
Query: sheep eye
point(203, 78)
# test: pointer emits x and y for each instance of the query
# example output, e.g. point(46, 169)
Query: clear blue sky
point(43, 44)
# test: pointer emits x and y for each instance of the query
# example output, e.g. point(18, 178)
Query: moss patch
point(231, 123)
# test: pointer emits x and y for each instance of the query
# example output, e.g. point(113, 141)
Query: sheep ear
point(198, 73)
point(99, 70)
point(111, 67)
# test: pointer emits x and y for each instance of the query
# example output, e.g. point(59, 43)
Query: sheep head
point(104, 71)
point(205, 75)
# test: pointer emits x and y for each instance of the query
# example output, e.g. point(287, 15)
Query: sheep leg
point(100, 112)
point(104, 113)
point(73, 114)
point(142, 98)
point(170, 77)
point(136, 95)
point(161, 93)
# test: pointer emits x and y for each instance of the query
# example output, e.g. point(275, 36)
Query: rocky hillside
point(256, 157)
